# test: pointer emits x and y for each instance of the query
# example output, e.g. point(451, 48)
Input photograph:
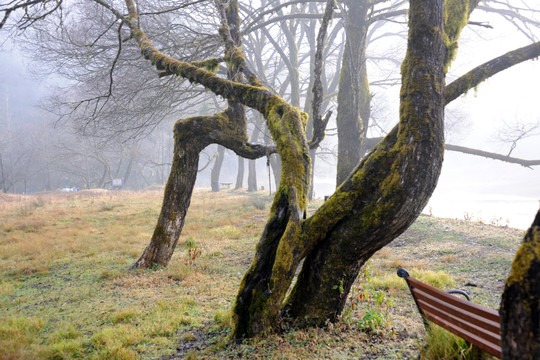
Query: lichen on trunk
point(264, 286)
point(520, 303)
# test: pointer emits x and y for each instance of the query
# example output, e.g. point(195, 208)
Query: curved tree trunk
point(190, 139)
point(227, 129)
point(520, 303)
point(389, 188)
point(377, 202)
point(177, 196)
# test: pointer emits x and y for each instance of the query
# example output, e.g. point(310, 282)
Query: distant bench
point(476, 324)
point(227, 185)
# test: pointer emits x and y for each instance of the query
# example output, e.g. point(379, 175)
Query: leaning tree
point(376, 202)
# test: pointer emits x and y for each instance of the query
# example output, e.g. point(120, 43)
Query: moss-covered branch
point(482, 72)
point(255, 97)
point(211, 65)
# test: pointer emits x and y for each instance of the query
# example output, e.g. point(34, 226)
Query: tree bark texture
point(520, 303)
point(390, 187)
point(354, 98)
point(177, 197)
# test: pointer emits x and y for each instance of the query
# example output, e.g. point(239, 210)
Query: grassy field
point(66, 292)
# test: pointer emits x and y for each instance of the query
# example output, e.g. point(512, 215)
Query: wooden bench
point(226, 185)
point(476, 324)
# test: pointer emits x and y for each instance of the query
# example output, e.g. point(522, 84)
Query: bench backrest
point(476, 324)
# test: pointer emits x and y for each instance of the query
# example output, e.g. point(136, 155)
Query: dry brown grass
point(65, 291)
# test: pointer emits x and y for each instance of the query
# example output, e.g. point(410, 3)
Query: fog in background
point(470, 187)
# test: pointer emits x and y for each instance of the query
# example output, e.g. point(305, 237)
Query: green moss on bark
point(211, 65)
point(456, 17)
point(527, 253)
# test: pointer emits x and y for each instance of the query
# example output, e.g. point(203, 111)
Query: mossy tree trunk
point(389, 188)
point(227, 129)
point(379, 199)
point(520, 303)
point(178, 190)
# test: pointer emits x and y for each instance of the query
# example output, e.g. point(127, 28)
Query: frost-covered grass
point(66, 292)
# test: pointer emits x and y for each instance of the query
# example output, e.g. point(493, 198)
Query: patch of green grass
point(19, 335)
point(443, 345)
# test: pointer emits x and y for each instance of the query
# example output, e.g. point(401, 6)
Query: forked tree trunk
point(520, 303)
point(389, 189)
point(378, 201)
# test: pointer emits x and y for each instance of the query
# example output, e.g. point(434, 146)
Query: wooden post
point(520, 303)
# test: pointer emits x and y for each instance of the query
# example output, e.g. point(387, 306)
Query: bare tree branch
point(318, 94)
point(494, 156)
point(372, 142)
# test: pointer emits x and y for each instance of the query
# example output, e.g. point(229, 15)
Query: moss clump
point(456, 17)
point(235, 57)
point(528, 253)
point(211, 65)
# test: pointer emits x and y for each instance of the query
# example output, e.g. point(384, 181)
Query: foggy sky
point(487, 189)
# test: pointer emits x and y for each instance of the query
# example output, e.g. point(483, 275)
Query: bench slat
point(492, 337)
point(471, 307)
point(488, 347)
point(462, 312)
